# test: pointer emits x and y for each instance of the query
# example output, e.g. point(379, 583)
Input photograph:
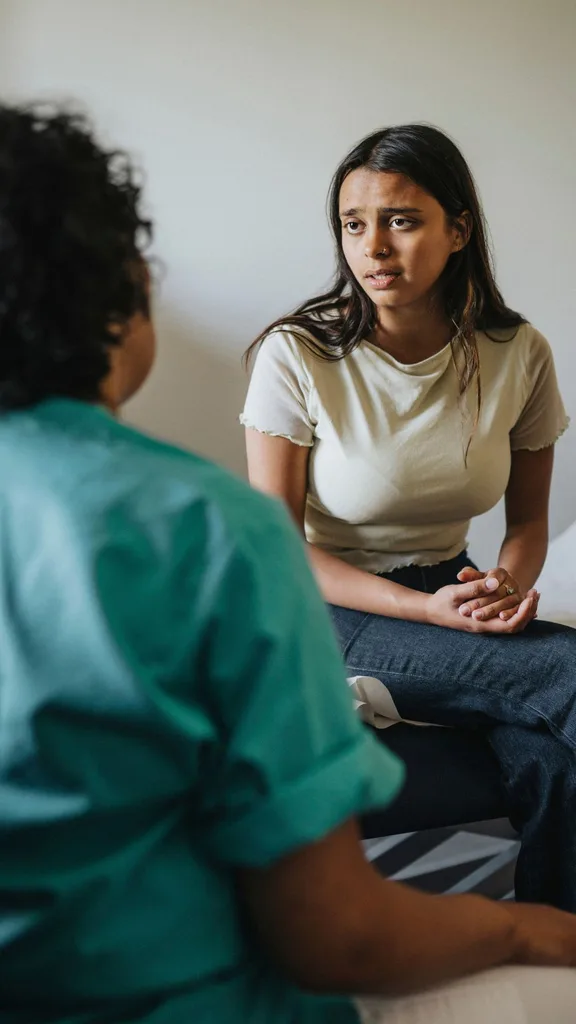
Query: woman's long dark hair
point(334, 323)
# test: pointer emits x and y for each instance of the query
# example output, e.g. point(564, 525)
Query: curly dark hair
point(72, 269)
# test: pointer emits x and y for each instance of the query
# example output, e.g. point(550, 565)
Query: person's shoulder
point(298, 348)
point(285, 344)
point(283, 338)
point(523, 342)
point(182, 479)
point(535, 343)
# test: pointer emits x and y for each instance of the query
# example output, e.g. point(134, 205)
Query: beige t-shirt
point(388, 482)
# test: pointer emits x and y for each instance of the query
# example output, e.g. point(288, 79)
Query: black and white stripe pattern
point(472, 858)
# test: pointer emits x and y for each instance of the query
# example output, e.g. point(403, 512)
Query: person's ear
point(462, 228)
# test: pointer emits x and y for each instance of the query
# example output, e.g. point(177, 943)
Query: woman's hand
point(444, 608)
point(484, 608)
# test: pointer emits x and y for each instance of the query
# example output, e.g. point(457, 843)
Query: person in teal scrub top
point(180, 763)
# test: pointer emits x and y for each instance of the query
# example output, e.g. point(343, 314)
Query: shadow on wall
point(194, 395)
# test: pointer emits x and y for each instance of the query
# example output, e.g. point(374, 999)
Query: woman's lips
point(382, 279)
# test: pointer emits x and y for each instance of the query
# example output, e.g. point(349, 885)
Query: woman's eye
point(401, 222)
point(353, 226)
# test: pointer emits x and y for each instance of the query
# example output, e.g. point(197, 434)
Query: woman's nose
point(376, 245)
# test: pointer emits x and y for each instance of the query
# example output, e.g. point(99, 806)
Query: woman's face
point(396, 237)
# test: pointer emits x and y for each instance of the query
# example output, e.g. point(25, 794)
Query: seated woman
point(180, 763)
point(386, 413)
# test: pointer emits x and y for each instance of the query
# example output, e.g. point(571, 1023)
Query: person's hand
point(544, 937)
point(444, 607)
point(487, 607)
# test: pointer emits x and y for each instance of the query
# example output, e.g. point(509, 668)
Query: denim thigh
point(458, 678)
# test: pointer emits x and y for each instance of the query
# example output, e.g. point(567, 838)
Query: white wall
point(240, 110)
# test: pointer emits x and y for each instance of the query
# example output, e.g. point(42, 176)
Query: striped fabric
point(472, 858)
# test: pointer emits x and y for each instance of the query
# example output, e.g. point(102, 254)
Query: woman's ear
point(462, 227)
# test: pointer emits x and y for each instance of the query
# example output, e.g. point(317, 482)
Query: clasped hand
point(484, 602)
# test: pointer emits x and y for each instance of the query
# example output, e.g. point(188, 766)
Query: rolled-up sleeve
point(291, 761)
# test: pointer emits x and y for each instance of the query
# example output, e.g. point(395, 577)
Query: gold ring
point(510, 590)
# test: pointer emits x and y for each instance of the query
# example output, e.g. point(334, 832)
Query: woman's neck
point(411, 336)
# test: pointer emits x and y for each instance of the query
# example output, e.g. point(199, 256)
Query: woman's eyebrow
point(356, 210)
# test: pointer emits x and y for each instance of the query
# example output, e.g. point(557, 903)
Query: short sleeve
point(278, 399)
point(543, 417)
point(291, 761)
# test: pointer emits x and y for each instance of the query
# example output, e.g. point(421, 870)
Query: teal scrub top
point(172, 707)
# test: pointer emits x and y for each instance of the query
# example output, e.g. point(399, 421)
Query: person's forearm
point(435, 939)
point(397, 940)
point(345, 585)
point(523, 552)
point(384, 938)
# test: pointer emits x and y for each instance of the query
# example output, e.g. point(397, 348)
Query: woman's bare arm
point(524, 548)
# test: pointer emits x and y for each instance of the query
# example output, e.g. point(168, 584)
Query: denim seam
point(554, 729)
point(354, 635)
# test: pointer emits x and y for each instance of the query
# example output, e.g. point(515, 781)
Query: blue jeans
point(521, 689)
